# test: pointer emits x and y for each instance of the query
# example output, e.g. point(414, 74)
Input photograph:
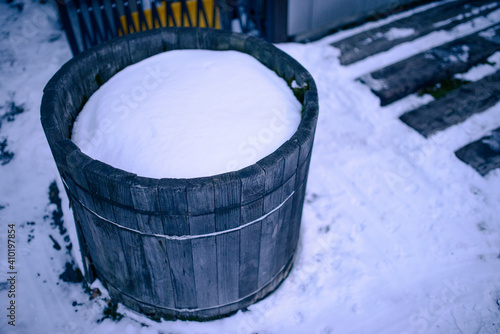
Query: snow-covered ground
point(398, 235)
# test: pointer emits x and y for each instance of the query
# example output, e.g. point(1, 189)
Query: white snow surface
point(480, 71)
point(398, 235)
point(397, 33)
point(188, 113)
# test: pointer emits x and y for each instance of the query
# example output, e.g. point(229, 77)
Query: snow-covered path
point(398, 235)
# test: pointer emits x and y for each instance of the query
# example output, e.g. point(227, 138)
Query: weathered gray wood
point(170, 39)
point(133, 251)
point(304, 140)
point(228, 264)
point(273, 285)
point(89, 273)
point(455, 107)
point(273, 167)
point(227, 192)
point(158, 265)
point(291, 159)
point(294, 227)
point(282, 252)
point(237, 42)
point(99, 178)
point(200, 196)
point(97, 257)
point(430, 67)
point(484, 154)
point(261, 51)
point(283, 67)
point(49, 117)
point(268, 247)
point(180, 257)
point(373, 41)
point(121, 53)
point(112, 187)
point(205, 271)
point(311, 107)
point(188, 38)
point(144, 193)
point(88, 71)
point(301, 176)
point(175, 224)
point(108, 252)
point(201, 206)
point(134, 304)
point(173, 196)
point(252, 183)
point(112, 57)
point(249, 259)
point(147, 44)
point(203, 224)
point(173, 202)
point(76, 162)
point(67, 83)
point(214, 39)
point(58, 109)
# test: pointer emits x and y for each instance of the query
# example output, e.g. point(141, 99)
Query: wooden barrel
point(198, 248)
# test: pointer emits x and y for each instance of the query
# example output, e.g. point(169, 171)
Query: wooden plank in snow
point(425, 69)
point(484, 154)
point(444, 17)
point(455, 107)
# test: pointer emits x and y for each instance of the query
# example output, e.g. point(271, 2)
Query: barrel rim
point(57, 139)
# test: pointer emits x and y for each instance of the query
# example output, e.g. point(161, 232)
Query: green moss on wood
point(442, 88)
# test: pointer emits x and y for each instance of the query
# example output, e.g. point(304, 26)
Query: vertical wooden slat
point(249, 259)
point(112, 59)
point(267, 248)
point(109, 251)
point(145, 197)
point(282, 251)
point(227, 215)
point(173, 204)
point(205, 271)
point(112, 186)
point(132, 303)
point(84, 249)
point(274, 170)
point(252, 193)
point(291, 156)
point(147, 44)
point(290, 152)
point(51, 109)
point(180, 256)
point(170, 38)
point(201, 207)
